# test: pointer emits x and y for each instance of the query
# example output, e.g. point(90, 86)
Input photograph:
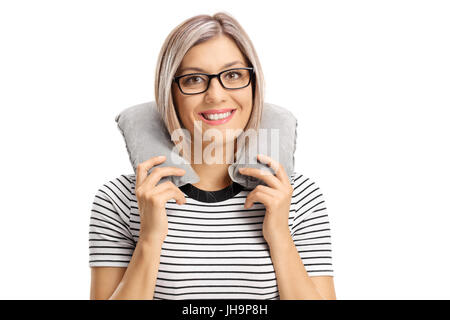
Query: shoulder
point(117, 194)
point(298, 180)
point(308, 211)
point(111, 241)
point(307, 195)
point(121, 188)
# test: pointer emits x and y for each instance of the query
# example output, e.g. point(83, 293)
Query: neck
point(213, 176)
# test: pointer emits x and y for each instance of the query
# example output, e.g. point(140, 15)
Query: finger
point(259, 189)
point(158, 173)
point(258, 196)
point(263, 175)
point(280, 173)
point(264, 189)
point(143, 167)
point(168, 185)
point(171, 193)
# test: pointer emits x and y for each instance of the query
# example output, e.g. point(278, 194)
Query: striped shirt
point(214, 248)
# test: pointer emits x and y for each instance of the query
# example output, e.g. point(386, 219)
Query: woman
point(213, 239)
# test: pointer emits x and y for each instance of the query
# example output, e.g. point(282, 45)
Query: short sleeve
point(310, 226)
point(111, 243)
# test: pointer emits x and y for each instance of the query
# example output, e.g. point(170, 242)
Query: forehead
point(212, 54)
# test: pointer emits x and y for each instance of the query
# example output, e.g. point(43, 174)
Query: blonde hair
point(189, 33)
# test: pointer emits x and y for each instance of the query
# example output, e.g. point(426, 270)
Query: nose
point(215, 90)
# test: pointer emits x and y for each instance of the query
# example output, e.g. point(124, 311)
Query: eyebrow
point(201, 70)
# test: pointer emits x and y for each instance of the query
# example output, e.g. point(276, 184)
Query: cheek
point(247, 98)
point(246, 102)
point(180, 107)
point(186, 116)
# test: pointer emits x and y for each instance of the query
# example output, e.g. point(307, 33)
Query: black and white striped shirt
point(214, 248)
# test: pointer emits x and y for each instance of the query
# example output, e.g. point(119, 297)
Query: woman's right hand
point(152, 198)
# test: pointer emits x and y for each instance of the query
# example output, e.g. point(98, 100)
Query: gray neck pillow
point(146, 136)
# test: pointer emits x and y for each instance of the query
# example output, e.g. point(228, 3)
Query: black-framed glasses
point(231, 79)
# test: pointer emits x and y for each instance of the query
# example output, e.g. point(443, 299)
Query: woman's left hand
point(276, 197)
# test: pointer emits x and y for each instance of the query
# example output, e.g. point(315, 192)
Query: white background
point(368, 81)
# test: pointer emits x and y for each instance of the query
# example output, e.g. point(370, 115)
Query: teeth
point(217, 116)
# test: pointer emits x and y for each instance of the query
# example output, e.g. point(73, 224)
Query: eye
point(192, 80)
point(229, 75)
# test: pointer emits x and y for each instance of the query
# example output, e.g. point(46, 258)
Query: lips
point(212, 116)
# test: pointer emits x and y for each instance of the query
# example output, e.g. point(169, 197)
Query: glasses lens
point(236, 78)
point(194, 83)
point(231, 79)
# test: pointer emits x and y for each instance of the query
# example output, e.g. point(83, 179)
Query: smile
point(215, 117)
